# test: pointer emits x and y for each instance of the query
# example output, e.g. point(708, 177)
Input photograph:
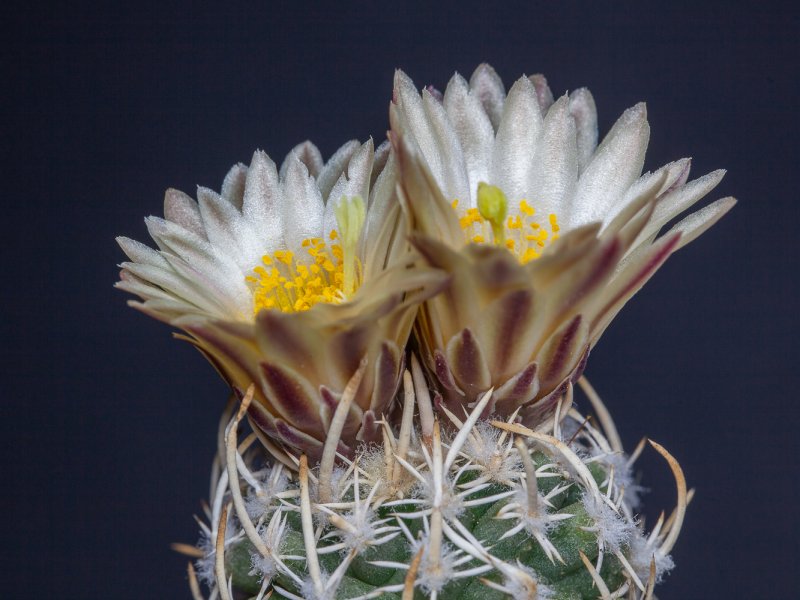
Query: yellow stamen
point(523, 236)
point(526, 208)
point(321, 273)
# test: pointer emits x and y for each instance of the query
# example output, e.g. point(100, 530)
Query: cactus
point(462, 508)
point(310, 288)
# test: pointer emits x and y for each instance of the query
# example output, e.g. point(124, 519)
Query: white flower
point(207, 249)
point(287, 280)
point(545, 234)
point(542, 152)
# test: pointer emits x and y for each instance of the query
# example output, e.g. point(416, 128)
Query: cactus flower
point(493, 239)
point(545, 233)
point(288, 279)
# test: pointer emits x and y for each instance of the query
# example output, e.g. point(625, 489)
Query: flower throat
point(521, 234)
point(323, 272)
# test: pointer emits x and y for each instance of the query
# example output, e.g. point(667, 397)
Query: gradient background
point(109, 424)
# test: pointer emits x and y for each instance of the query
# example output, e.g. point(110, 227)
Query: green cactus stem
point(458, 509)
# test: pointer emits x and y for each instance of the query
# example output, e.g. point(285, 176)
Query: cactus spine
point(465, 508)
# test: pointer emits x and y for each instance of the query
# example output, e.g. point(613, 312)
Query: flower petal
point(555, 171)
point(516, 141)
point(543, 93)
point(407, 115)
point(261, 204)
point(233, 185)
point(183, 210)
point(678, 201)
point(308, 154)
point(335, 166)
point(354, 181)
point(426, 208)
point(694, 225)
point(303, 207)
point(452, 175)
point(488, 88)
point(475, 134)
point(583, 110)
point(614, 167)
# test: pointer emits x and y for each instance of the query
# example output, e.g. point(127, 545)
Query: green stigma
point(350, 215)
point(493, 206)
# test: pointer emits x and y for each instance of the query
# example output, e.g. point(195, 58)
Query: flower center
point(522, 234)
point(322, 272)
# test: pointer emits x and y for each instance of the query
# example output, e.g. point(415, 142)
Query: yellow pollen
point(520, 233)
point(526, 209)
point(321, 273)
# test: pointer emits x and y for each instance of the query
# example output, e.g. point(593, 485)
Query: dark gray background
point(108, 424)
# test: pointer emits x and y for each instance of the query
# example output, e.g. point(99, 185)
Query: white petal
point(359, 171)
point(223, 222)
point(614, 167)
point(584, 111)
point(517, 138)
point(335, 166)
point(379, 161)
point(302, 205)
point(556, 167)
point(140, 253)
point(201, 263)
point(452, 178)
point(474, 132)
point(678, 201)
point(354, 181)
point(379, 225)
point(671, 175)
point(488, 88)
point(225, 287)
point(180, 208)
point(233, 185)
point(262, 202)
point(177, 241)
point(543, 93)
point(142, 288)
point(308, 154)
point(676, 174)
point(699, 222)
point(190, 291)
point(414, 122)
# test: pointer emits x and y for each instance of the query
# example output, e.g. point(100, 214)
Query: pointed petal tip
point(637, 112)
point(204, 192)
point(172, 192)
point(259, 157)
point(155, 224)
point(484, 70)
point(401, 80)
